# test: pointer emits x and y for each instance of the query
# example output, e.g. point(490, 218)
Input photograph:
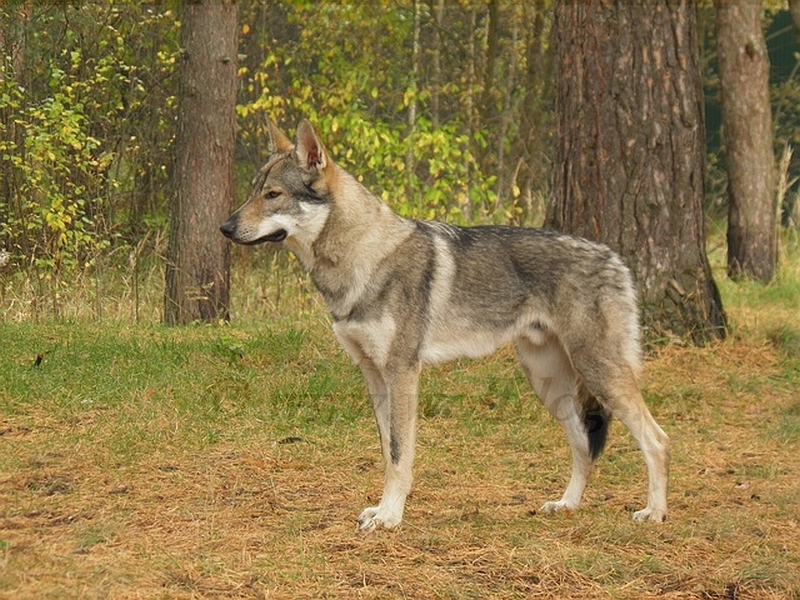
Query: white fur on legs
point(394, 403)
point(581, 468)
point(389, 512)
point(552, 377)
point(628, 407)
point(654, 444)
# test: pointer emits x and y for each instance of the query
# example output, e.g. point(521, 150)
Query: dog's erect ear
point(278, 142)
point(310, 151)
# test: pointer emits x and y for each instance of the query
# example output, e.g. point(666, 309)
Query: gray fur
point(405, 293)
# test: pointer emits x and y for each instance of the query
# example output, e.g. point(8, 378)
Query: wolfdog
point(405, 293)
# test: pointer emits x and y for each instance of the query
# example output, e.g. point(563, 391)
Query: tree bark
point(492, 42)
point(437, 8)
point(747, 135)
point(534, 159)
point(13, 49)
point(412, 104)
point(630, 153)
point(469, 102)
point(198, 266)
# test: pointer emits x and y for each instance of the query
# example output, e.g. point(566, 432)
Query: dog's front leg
point(394, 401)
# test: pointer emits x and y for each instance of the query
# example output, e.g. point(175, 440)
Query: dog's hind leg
point(394, 402)
point(619, 389)
point(551, 375)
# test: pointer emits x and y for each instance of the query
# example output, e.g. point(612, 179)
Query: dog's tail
point(596, 419)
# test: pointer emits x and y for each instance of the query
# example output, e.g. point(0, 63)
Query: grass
point(138, 461)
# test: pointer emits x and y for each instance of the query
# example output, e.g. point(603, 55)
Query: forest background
point(445, 109)
point(230, 461)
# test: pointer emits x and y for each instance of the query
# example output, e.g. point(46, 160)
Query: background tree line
point(446, 107)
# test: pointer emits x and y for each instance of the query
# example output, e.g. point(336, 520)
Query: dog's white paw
point(650, 514)
point(375, 516)
point(550, 508)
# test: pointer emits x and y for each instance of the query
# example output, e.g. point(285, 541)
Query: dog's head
point(288, 198)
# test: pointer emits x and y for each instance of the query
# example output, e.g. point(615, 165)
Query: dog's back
point(500, 282)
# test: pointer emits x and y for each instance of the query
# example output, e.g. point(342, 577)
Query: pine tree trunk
point(534, 161)
point(198, 266)
point(747, 134)
point(412, 104)
point(437, 6)
point(630, 153)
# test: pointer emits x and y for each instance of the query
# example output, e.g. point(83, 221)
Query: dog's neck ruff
point(359, 232)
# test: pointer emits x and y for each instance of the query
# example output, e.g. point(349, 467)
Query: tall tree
point(747, 135)
point(630, 152)
point(535, 119)
point(413, 90)
point(198, 266)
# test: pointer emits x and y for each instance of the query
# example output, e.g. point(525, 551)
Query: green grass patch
point(145, 386)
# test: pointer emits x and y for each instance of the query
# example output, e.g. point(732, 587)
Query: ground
point(232, 462)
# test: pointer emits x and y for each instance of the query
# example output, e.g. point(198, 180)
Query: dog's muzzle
point(228, 229)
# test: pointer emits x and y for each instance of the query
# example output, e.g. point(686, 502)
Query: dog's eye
point(271, 195)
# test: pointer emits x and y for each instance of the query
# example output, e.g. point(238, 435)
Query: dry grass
point(112, 486)
point(263, 516)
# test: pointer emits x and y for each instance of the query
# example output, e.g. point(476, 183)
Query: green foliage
point(73, 98)
point(359, 97)
point(445, 184)
point(61, 178)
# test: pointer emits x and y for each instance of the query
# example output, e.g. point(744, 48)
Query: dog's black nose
point(228, 227)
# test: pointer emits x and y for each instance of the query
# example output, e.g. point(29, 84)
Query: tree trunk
point(630, 153)
point(14, 28)
point(534, 159)
point(747, 136)
point(198, 267)
point(469, 105)
point(412, 103)
point(492, 42)
point(437, 7)
point(506, 116)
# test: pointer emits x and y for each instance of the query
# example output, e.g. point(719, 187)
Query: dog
point(404, 293)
